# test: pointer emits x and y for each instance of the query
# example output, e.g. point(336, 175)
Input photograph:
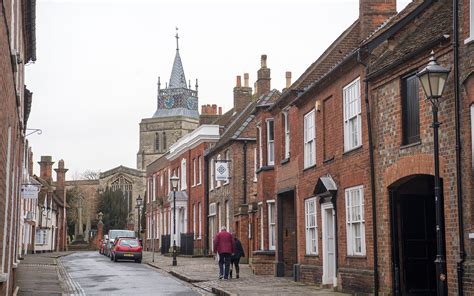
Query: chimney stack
point(46, 168)
point(263, 77)
point(220, 110)
point(61, 180)
point(373, 13)
point(242, 94)
point(214, 109)
point(288, 79)
point(246, 79)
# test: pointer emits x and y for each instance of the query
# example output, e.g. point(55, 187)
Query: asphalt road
point(94, 274)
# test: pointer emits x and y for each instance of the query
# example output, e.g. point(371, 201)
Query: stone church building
point(176, 115)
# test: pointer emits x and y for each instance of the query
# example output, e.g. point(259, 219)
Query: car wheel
point(138, 261)
point(115, 259)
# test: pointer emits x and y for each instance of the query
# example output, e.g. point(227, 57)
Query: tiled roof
point(428, 28)
point(177, 78)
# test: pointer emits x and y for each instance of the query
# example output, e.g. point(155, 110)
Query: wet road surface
point(97, 275)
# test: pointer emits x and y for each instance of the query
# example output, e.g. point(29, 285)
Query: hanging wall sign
point(222, 170)
point(29, 191)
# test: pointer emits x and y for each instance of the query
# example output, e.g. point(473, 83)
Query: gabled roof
point(122, 169)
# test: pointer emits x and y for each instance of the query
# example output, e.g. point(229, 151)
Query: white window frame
point(219, 216)
point(287, 134)
point(255, 164)
point(470, 38)
point(271, 225)
point(184, 185)
point(260, 149)
point(194, 221)
point(200, 220)
point(212, 179)
point(309, 139)
point(355, 218)
point(262, 241)
point(227, 215)
point(352, 115)
point(154, 187)
point(194, 172)
point(311, 226)
point(227, 158)
point(199, 170)
point(472, 133)
point(270, 142)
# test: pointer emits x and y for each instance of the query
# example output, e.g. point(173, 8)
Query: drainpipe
point(457, 115)
point(372, 174)
point(245, 172)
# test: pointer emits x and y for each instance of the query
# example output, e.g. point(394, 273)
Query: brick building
point(17, 48)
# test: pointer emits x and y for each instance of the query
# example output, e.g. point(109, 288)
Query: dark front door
point(414, 236)
point(286, 237)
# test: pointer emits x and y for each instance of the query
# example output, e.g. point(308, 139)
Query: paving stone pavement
point(203, 272)
point(38, 274)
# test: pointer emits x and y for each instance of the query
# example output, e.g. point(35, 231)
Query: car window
point(115, 233)
point(129, 242)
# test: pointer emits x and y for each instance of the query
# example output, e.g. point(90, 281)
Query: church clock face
point(192, 103)
point(169, 102)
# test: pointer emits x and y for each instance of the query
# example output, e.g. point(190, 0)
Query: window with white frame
point(255, 164)
point(211, 181)
point(41, 236)
point(352, 115)
point(199, 170)
point(218, 183)
point(194, 221)
point(311, 223)
point(194, 172)
point(227, 158)
point(227, 215)
point(472, 134)
point(287, 134)
point(161, 181)
point(183, 174)
point(309, 140)
point(261, 228)
point(200, 220)
point(355, 220)
point(154, 188)
point(260, 150)
point(271, 225)
point(270, 143)
point(219, 216)
point(471, 22)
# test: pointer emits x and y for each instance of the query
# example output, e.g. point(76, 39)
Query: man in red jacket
point(224, 247)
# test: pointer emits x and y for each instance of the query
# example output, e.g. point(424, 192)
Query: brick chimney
point(288, 79)
point(242, 94)
point(46, 168)
point(373, 13)
point(61, 179)
point(263, 77)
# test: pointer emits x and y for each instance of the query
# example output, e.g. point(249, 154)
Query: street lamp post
point(174, 185)
point(139, 204)
point(433, 79)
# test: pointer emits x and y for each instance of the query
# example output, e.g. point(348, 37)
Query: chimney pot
point(263, 61)
point(220, 110)
point(214, 109)
point(203, 109)
point(239, 83)
point(246, 79)
point(288, 79)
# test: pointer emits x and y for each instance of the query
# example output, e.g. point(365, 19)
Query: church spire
point(177, 78)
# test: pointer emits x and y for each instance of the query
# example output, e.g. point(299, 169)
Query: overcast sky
point(99, 61)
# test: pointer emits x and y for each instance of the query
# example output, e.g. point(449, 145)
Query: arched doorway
point(413, 225)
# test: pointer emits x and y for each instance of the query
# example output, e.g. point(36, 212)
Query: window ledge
point(410, 145)
point(265, 168)
point(264, 252)
point(285, 161)
point(310, 167)
point(356, 256)
point(311, 256)
point(469, 40)
point(329, 159)
point(352, 150)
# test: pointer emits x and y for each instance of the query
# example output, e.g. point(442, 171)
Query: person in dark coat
point(224, 247)
point(235, 259)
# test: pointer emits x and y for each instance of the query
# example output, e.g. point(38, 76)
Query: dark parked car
point(127, 248)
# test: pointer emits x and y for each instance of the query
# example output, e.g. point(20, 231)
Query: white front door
point(329, 247)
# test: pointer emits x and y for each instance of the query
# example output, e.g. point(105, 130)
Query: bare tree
point(90, 175)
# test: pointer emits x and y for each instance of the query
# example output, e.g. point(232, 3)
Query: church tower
point(176, 115)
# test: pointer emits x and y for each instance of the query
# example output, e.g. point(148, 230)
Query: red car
point(126, 248)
